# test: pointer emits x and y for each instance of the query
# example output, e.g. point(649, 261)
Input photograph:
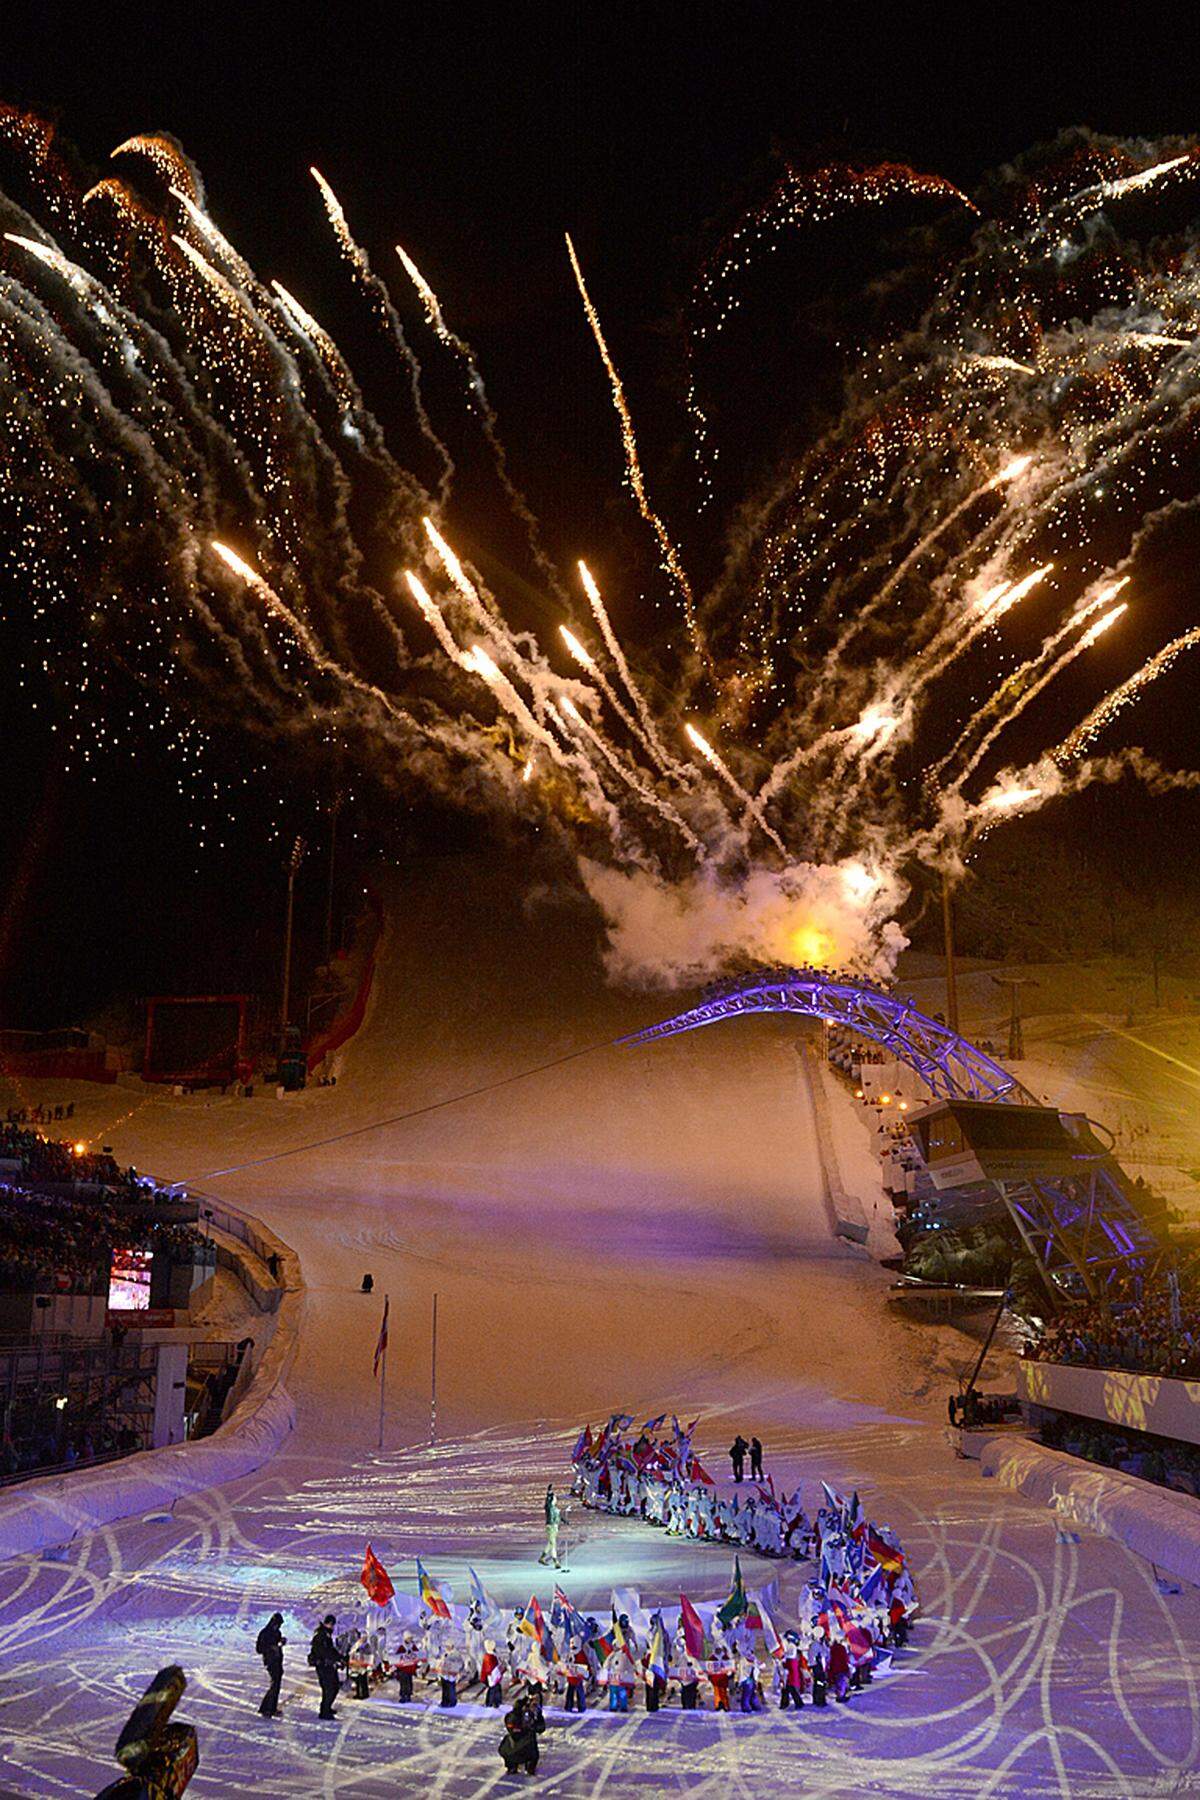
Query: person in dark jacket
point(755, 1460)
point(523, 1725)
point(269, 1644)
point(737, 1456)
point(324, 1658)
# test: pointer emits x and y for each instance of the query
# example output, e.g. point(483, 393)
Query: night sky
point(645, 132)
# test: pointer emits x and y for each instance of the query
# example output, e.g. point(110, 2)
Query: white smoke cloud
point(673, 934)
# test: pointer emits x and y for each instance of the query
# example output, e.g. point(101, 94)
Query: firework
point(633, 467)
point(1017, 433)
point(748, 800)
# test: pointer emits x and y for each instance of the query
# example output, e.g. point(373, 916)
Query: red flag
point(699, 1473)
point(693, 1628)
point(381, 1346)
point(376, 1579)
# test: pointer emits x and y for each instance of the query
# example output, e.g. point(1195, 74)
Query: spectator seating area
point(1149, 1327)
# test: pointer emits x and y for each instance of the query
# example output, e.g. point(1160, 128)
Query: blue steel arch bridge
point(1072, 1204)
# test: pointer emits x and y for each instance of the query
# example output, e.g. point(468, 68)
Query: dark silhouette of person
point(737, 1456)
point(523, 1725)
point(269, 1644)
point(324, 1658)
point(368, 1284)
point(755, 1460)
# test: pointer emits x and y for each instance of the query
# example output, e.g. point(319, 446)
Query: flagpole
point(433, 1380)
point(382, 1375)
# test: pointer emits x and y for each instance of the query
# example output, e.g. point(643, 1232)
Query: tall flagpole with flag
point(380, 1369)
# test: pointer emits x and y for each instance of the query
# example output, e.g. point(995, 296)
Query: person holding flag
point(491, 1674)
point(736, 1606)
point(654, 1673)
point(793, 1671)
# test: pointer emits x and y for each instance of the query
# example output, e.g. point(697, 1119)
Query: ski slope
point(642, 1229)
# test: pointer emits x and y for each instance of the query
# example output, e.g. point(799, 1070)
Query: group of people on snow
point(659, 1480)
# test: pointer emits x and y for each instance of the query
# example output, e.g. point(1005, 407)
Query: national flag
point(653, 1424)
point(735, 1607)
point(376, 1579)
point(771, 1637)
point(480, 1595)
point(431, 1594)
point(583, 1444)
point(656, 1656)
point(875, 1587)
point(534, 1626)
point(885, 1554)
point(693, 1628)
point(699, 1473)
point(622, 1639)
point(852, 1514)
point(602, 1644)
point(567, 1614)
point(833, 1500)
point(381, 1346)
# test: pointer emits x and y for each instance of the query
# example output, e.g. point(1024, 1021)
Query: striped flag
point(431, 1594)
point(381, 1346)
point(657, 1656)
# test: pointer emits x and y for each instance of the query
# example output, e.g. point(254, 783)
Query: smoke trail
point(489, 422)
point(748, 801)
point(382, 302)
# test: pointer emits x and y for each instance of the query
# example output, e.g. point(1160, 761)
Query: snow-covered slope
point(643, 1229)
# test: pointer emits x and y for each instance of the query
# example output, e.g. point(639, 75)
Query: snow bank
point(1154, 1522)
point(846, 1210)
point(51, 1509)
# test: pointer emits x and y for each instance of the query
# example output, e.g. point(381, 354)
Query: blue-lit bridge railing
point(1079, 1230)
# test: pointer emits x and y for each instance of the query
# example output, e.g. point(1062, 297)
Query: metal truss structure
point(951, 1068)
point(1080, 1229)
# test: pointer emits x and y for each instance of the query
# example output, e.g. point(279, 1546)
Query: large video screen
point(129, 1282)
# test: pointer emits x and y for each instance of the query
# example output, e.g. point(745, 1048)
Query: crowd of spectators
point(69, 1241)
point(1166, 1461)
point(53, 1159)
point(1151, 1327)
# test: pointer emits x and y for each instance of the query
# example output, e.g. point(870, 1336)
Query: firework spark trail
point(1031, 693)
point(216, 239)
point(342, 382)
point(751, 805)
point(633, 467)
point(1009, 473)
point(136, 444)
point(377, 292)
point(648, 733)
point(641, 788)
point(797, 199)
point(432, 613)
point(508, 697)
point(961, 634)
point(488, 420)
point(176, 169)
point(319, 657)
point(1012, 684)
point(1102, 715)
point(587, 662)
